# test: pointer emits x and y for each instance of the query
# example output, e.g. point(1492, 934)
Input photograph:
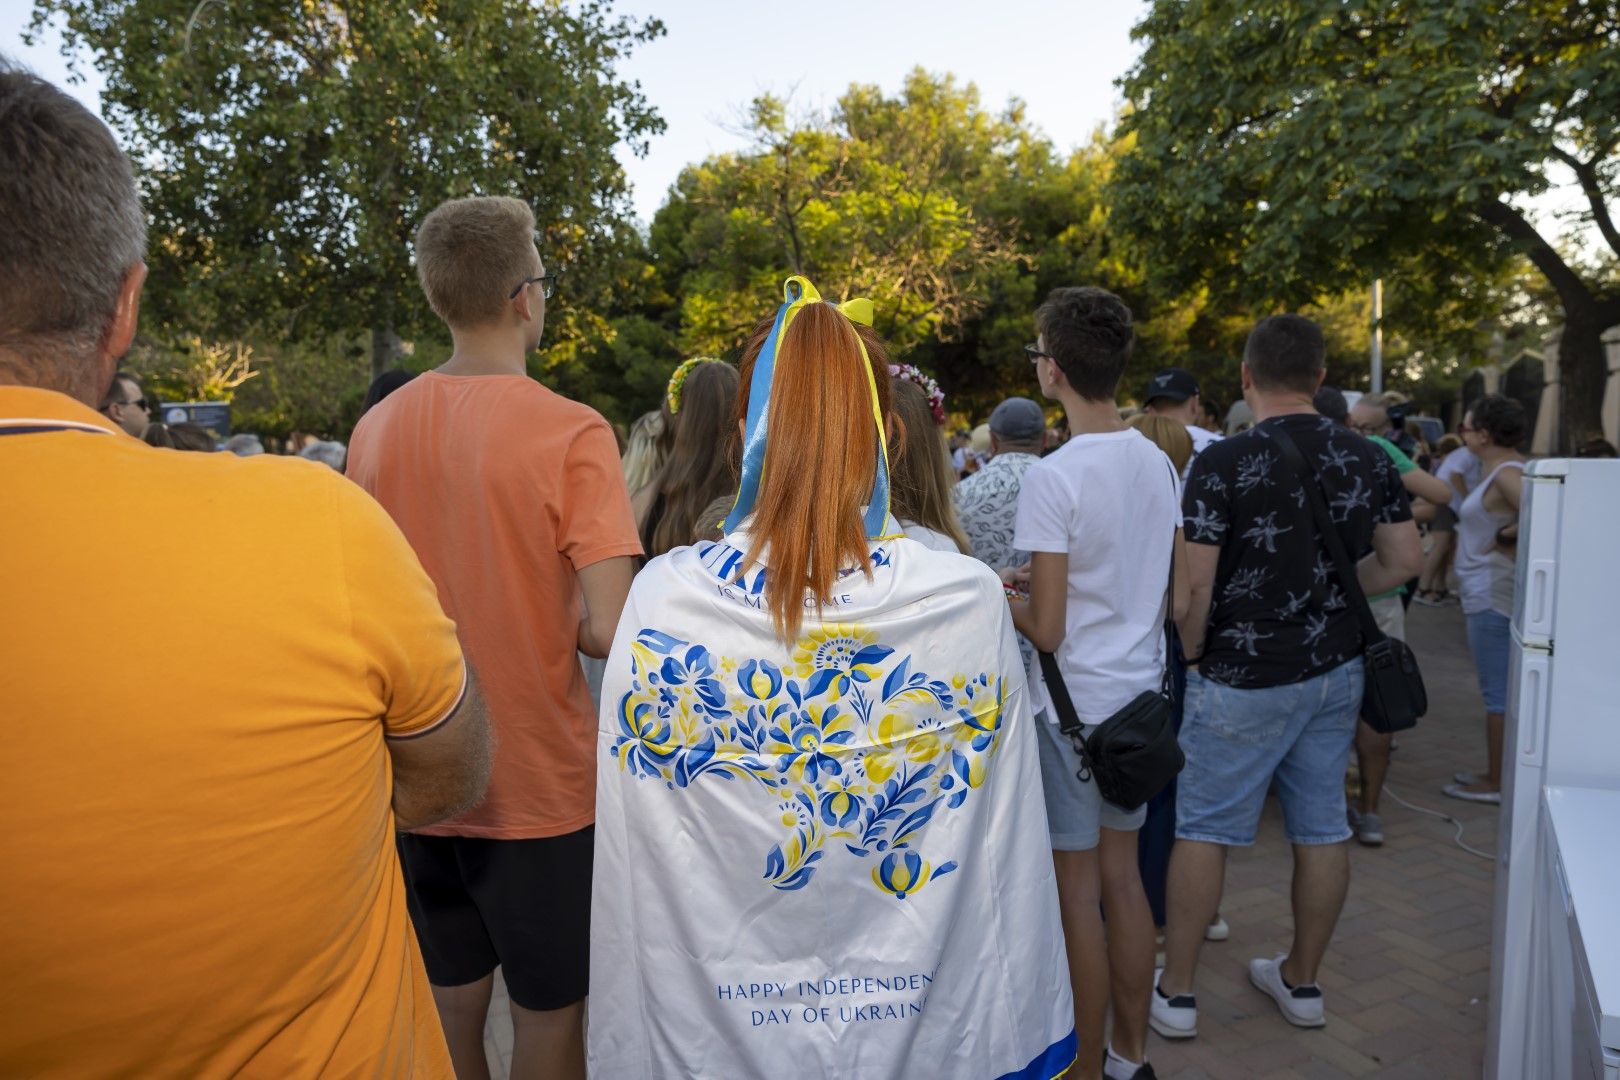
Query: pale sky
point(1061, 59)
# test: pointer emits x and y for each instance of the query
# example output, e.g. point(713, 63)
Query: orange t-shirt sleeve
point(595, 521)
point(409, 645)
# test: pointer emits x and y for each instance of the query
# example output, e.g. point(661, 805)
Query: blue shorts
point(1489, 635)
point(1075, 810)
point(1237, 741)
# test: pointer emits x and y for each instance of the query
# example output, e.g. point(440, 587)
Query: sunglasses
point(1035, 355)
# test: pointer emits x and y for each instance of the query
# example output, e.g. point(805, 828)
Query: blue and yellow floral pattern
point(851, 743)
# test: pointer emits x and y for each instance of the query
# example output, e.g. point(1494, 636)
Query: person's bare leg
point(548, 1045)
point(1197, 872)
point(1130, 941)
point(1493, 749)
point(1321, 879)
point(1079, 894)
point(1433, 578)
point(1372, 757)
point(462, 1013)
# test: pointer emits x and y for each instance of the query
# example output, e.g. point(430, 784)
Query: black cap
point(1172, 383)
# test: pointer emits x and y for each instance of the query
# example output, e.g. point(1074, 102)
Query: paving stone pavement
point(1407, 976)
point(1406, 979)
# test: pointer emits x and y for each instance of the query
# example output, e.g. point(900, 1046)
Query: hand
point(1017, 577)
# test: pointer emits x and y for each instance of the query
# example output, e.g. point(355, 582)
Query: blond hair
point(1168, 434)
point(920, 473)
point(470, 255)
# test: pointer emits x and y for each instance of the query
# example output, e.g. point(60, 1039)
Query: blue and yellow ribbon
point(796, 293)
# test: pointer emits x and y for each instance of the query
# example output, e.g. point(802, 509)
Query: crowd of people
point(298, 832)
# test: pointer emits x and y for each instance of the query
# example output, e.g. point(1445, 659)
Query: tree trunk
point(1583, 370)
point(385, 348)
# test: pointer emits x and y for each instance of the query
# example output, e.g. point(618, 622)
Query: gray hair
point(73, 229)
point(244, 445)
point(327, 453)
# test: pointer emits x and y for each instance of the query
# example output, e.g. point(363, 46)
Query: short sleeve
point(409, 644)
point(1206, 510)
point(594, 521)
point(1394, 505)
point(1403, 464)
point(1042, 522)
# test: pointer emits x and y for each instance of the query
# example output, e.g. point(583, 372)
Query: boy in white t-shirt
point(1102, 519)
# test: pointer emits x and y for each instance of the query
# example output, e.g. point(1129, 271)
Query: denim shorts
point(1489, 635)
point(1238, 741)
point(1075, 810)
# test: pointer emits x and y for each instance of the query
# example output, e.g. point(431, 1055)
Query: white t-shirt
point(1109, 502)
point(1460, 462)
point(931, 539)
point(1202, 440)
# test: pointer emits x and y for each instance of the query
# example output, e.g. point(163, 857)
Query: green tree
point(287, 152)
point(1288, 150)
point(955, 220)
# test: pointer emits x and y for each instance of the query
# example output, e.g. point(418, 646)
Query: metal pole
point(1378, 336)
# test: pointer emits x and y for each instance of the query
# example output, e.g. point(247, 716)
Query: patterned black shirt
point(1279, 614)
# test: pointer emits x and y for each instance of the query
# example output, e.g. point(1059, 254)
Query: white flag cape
point(830, 860)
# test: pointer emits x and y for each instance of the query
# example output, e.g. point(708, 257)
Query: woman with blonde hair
point(645, 453)
point(1168, 434)
point(923, 476)
point(816, 698)
point(701, 402)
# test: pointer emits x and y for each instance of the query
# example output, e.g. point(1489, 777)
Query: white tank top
point(1484, 572)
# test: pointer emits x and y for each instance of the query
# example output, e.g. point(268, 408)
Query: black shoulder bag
point(1134, 753)
point(1394, 696)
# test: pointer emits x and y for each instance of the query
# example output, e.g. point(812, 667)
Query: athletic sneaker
point(1118, 1068)
point(1429, 599)
point(1468, 779)
point(1172, 1017)
point(1300, 1005)
point(1217, 930)
point(1369, 828)
point(1457, 791)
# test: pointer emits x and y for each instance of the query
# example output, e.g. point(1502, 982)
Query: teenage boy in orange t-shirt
point(513, 499)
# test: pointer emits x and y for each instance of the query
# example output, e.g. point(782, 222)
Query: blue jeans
point(1489, 638)
point(1238, 741)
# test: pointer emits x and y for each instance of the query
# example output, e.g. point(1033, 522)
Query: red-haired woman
point(819, 843)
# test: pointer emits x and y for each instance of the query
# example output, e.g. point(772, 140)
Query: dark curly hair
point(1088, 333)
point(1500, 417)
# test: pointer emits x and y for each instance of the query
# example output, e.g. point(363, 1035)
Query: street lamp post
point(1378, 336)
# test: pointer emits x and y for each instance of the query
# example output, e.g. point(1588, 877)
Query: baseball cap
point(1172, 383)
point(1018, 418)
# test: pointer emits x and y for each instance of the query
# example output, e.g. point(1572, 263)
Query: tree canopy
point(1285, 150)
point(287, 152)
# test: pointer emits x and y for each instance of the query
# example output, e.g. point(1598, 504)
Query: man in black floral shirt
point(1275, 680)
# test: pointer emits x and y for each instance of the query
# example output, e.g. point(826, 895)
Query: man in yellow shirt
point(225, 683)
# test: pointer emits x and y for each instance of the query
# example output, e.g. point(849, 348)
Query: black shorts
point(522, 904)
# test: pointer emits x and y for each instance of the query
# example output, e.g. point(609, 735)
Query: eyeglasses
point(1463, 429)
point(139, 403)
point(1367, 429)
point(1035, 355)
point(547, 282)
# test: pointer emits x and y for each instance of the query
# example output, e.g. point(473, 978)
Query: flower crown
point(672, 393)
point(936, 396)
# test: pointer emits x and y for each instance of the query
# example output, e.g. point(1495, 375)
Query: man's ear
point(126, 316)
point(1248, 380)
point(523, 306)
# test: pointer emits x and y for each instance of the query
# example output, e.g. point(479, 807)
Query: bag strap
point(1331, 540)
point(1058, 690)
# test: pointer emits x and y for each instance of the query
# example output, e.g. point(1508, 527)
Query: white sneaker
point(1217, 930)
point(1118, 1068)
point(1457, 791)
point(1300, 1005)
point(1172, 1017)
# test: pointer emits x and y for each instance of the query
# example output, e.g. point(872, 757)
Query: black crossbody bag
point(1394, 696)
point(1134, 753)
